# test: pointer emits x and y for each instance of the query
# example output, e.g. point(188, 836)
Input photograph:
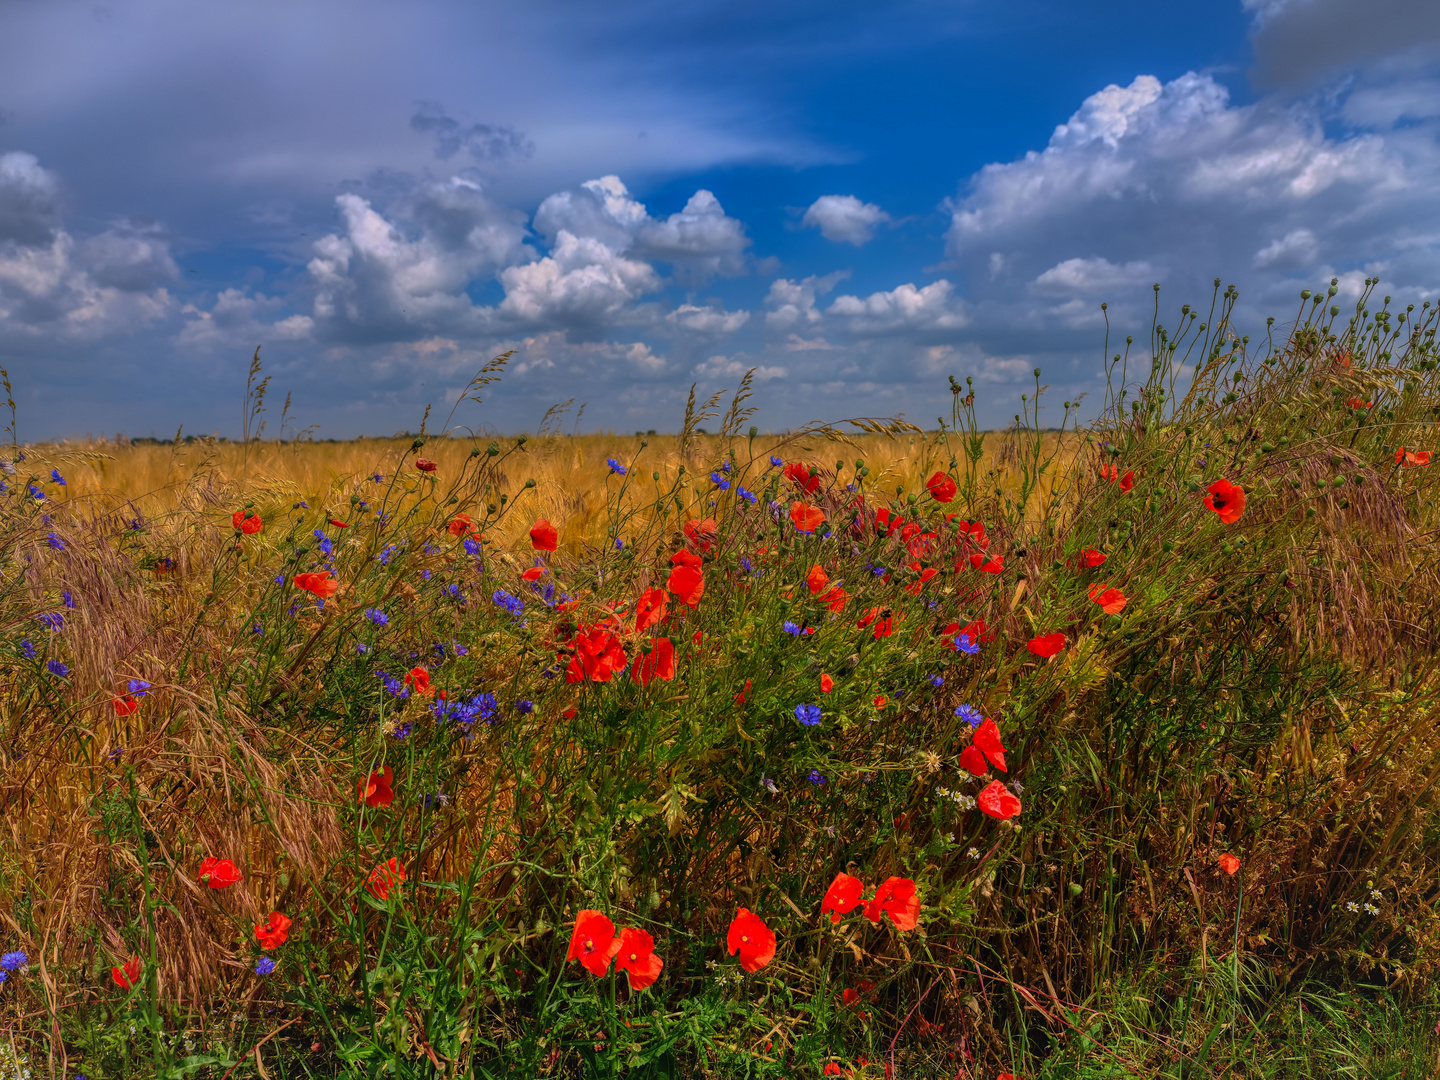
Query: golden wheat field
point(155, 480)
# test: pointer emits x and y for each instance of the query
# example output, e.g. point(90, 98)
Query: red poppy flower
point(896, 898)
point(842, 895)
point(385, 879)
point(535, 573)
point(636, 957)
point(1127, 481)
point(1227, 500)
point(419, 679)
point(881, 701)
point(688, 585)
point(740, 697)
point(992, 564)
point(247, 521)
point(832, 1069)
point(998, 801)
point(461, 524)
point(886, 523)
point(126, 977)
point(1357, 403)
point(1111, 600)
point(697, 638)
point(1109, 472)
point(593, 942)
point(1091, 558)
point(817, 579)
point(658, 663)
point(1229, 863)
point(807, 518)
point(543, 536)
point(650, 608)
point(752, 939)
point(218, 873)
point(941, 487)
point(1048, 645)
point(987, 740)
point(272, 933)
point(318, 582)
point(569, 714)
point(801, 476)
point(851, 995)
point(972, 534)
point(1411, 459)
point(921, 545)
point(834, 599)
point(925, 575)
point(425, 464)
point(882, 619)
point(376, 790)
point(826, 683)
point(687, 558)
point(701, 534)
point(338, 523)
point(972, 760)
point(125, 706)
point(598, 655)
point(978, 632)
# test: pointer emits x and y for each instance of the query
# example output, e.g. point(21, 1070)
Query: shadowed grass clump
point(750, 664)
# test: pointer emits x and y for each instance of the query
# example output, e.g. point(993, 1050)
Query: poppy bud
point(417, 444)
point(528, 484)
point(475, 451)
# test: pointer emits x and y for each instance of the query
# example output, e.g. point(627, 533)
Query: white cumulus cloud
point(845, 219)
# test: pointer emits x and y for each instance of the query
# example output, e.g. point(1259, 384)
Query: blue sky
point(855, 199)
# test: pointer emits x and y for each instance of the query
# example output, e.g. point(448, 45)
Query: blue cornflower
point(513, 604)
point(937, 681)
point(970, 715)
point(376, 616)
point(615, 466)
point(264, 966)
point(404, 730)
point(57, 668)
point(258, 628)
point(51, 620)
point(115, 753)
point(966, 644)
point(54, 541)
point(425, 574)
point(472, 547)
point(28, 648)
point(67, 598)
point(792, 628)
point(816, 777)
point(725, 466)
point(55, 475)
point(439, 650)
point(36, 493)
point(361, 648)
point(809, 715)
point(386, 555)
point(460, 650)
point(746, 564)
point(748, 496)
point(619, 544)
point(430, 549)
point(393, 686)
point(13, 961)
point(377, 478)
point(324, 543)
point(719, 481)
point(452, 590)
point(776, 461)
point(524, 707)
point(138, 687)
